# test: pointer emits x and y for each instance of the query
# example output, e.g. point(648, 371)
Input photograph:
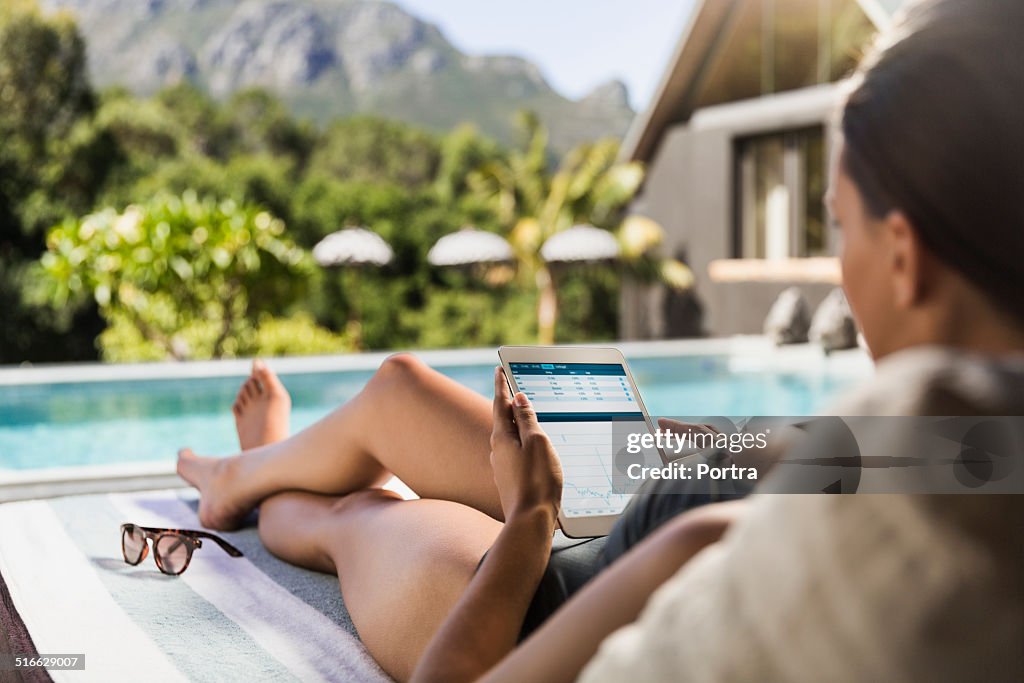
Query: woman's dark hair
point(934, 127)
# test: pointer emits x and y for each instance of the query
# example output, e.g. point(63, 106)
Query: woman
point(928, 193)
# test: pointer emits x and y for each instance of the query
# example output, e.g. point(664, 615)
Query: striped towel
point(225, 619)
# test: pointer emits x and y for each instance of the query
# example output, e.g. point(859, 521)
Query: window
point(780, 188)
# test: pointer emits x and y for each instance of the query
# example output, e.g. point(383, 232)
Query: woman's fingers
point(526, 467)
point(500, 383)
point(526, 418)
point(513, 416)
point(503, 423)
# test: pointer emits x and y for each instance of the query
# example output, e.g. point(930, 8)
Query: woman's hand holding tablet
point(526, 468)
point(578, 395)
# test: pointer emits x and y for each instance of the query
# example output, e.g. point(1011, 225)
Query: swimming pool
point(110, 415)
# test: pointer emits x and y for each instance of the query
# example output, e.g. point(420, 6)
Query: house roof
point(702, 45)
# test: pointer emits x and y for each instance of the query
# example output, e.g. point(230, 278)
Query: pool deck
point(72, 481)
point(747, 354)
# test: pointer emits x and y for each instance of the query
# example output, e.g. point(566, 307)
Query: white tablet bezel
point(575, 527)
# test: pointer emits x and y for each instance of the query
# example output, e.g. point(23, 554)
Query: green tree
point(374, 150)
point(189, 275)
point(462, 151)
point(589, 186)
point(201, 124)
point(262, 125)
point(44, 90)
point(410, 221)
point(51, 163)
point(146, 137)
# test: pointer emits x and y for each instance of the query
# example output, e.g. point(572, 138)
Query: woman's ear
point(907, 260)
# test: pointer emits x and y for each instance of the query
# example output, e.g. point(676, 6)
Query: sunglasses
point(172, 548)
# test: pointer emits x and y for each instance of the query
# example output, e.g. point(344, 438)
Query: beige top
point(857, 587)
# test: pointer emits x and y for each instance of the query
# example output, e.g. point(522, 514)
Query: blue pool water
point(58, 425)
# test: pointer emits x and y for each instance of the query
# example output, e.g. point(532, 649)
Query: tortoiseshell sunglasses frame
point(191, 538)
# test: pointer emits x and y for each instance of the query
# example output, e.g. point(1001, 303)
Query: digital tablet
point(584, 399)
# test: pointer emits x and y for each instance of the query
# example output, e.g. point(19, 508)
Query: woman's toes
point(268, 379)
point(187, 462)
point(262, 417)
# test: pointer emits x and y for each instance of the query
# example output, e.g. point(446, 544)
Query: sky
point(578, 44)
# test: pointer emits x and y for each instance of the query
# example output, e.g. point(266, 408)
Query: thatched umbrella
point(470, 247)
point(576, 245)
point(353, 247)
point(581, 244)
point(356, 248)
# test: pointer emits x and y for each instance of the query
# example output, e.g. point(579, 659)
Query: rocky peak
point(276, 44)
point(331, 58)
point(509, 66)
point(612, 96)
point(166, 62)
point(378, 38)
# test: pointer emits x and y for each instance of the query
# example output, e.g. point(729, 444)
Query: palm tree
point(588, 187)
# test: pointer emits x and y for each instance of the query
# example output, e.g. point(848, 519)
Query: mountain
point(331, 58)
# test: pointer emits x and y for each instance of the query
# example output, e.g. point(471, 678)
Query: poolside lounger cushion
point(246, 619)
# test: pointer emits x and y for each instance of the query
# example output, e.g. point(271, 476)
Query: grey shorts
point(574, 562)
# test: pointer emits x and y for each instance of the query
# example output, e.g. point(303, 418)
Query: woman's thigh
point(402, 565)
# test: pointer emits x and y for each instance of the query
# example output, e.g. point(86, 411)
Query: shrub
point(188, 275)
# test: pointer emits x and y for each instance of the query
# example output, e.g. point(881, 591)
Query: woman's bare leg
point(402, 565)
point(409, 420)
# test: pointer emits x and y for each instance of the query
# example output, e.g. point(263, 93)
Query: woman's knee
point(274, 507)
point(399, 376)
point(316, 509)
point(281, 510)
point(401, 366)
point(288, 527)
point(306, 528)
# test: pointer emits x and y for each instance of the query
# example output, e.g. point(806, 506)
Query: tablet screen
point(576, 404)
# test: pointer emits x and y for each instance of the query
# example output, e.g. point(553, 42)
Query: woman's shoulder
point(939, 381)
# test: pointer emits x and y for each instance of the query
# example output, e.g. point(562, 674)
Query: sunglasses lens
point(173, 553)
point(133, 544)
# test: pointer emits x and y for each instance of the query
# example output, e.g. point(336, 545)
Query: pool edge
point(74, 373)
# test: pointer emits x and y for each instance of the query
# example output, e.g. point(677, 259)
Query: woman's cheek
point(857, 278)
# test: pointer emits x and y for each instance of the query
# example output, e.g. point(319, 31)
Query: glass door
point(779, 195)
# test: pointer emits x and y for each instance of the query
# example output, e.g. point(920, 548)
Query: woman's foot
point(261, 416)
point(220, 505)
point(261, 408)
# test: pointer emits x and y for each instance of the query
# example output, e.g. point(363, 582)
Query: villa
point(736, 141)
